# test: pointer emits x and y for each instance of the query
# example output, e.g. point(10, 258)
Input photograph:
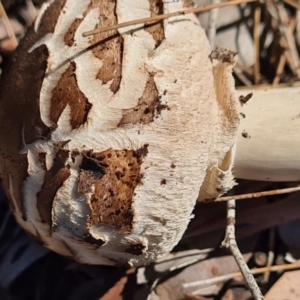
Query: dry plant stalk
point(8, 27)
point(271, 254)
point(167, 16)
point(256, 194)
point(230, 243)
point(256, 35)
point(283, 57)
point(293, 3)
point(255, 271)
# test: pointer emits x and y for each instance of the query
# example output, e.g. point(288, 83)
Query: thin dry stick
point(293, 3)
point(280, 68)
point(247, 70)
point(230, 243)
point(240, 75)
point(297, 18)
point(288, 37)
point(283, 57)
point(212, 23)
point(182, 265)
point(270, 87)
point(256, 195)
point(290, 62)
point(167, 16)
point(7, 26)
point(286, 40)
point(270, 254)
point(256, 37)
point(215, 280)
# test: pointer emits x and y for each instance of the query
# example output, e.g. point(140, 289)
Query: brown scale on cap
point(68, 92)
point(29, 117)
point(49, 19)
point(163, 181)
point(69, 37)
point(156, 29)
point(113, 192)
point(91, 170)
point(149, 102)
point(144, 112)
point(108, 45)
point(148, 108)
point(54, 179)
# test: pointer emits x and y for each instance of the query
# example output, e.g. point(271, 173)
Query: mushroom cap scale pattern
point(111, 139)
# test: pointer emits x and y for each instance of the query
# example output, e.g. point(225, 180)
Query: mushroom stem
point(255, 195)
point(268, 142)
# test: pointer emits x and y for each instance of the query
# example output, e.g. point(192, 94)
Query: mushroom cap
point(108, 139)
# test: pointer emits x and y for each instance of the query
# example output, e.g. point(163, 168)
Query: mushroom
point(272, 122)
point(108, 142)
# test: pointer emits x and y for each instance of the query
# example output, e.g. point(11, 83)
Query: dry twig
point(230, 243)
point(167, 16)
point(288, 39)
point(8, 27)
point(256, 195)
point(271, 254)
point(256, 34)
point(280, 68)
point(293, 3)
point(240, 75)
point(255, 271)
point(283, 57)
